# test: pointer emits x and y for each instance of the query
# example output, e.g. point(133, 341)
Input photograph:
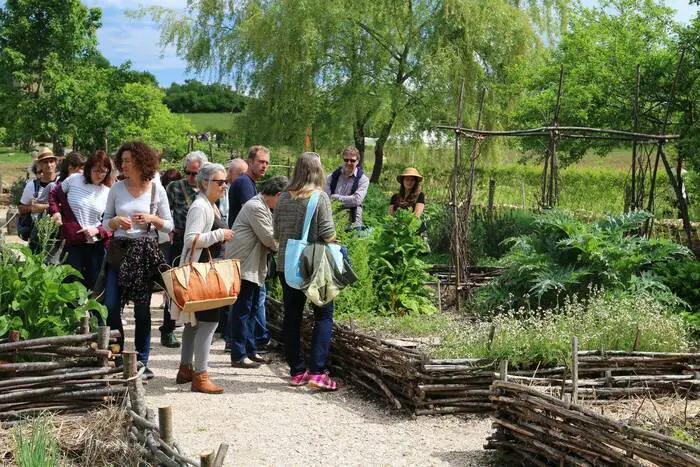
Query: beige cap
point(44, 154)
point(410, 172)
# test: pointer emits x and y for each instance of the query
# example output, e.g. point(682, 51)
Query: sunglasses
point(351, 161)
point(191, 174)
point(218, 182)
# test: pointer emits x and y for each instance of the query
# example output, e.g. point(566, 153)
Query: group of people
point(124, 213)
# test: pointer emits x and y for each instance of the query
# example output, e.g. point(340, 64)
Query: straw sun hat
point(409, 172)
point(45, 153)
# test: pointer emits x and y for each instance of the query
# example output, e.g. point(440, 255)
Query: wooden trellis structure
point(643, 146)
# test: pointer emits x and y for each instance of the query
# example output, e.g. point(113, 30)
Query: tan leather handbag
point(203, 286)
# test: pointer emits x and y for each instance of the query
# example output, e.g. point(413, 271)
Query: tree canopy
point(194, 96)
point(347, 69)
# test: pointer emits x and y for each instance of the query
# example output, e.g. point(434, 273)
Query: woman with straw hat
point(410, 195)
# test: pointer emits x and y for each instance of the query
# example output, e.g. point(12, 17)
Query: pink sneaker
point(300, 379)
point(322, 382)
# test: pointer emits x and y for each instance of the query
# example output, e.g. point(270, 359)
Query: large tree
point(356, 67)
point(36, 38)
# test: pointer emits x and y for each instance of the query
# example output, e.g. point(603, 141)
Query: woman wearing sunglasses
point(204, 225)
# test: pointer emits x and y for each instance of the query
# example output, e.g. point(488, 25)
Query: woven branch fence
point(533, 428)
point(405, 377)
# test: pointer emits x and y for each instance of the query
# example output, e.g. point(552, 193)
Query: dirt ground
point(267, 422)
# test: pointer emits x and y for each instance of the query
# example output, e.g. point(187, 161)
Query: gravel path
point(267, 422)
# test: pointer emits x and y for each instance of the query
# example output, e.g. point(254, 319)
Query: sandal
point(300, 379)
point(322, 382)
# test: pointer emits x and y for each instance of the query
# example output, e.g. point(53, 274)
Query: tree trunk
point(358, 134)
point(379, 148)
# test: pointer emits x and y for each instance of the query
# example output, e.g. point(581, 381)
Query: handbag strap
point(310, 208)
point(193, 247)
point(152, 207)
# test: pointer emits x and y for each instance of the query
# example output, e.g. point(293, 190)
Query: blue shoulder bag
point(295, 248)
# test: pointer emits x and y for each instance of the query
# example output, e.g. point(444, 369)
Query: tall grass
point(606, 320)
point(39, 447)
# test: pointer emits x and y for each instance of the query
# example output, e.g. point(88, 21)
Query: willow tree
point(360, 67)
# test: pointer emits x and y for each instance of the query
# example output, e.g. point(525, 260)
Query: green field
point(212, 121)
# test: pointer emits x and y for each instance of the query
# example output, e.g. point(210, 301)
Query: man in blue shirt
point(239, 193)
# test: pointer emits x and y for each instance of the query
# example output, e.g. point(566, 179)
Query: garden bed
point(397, 371)
point(533, 428)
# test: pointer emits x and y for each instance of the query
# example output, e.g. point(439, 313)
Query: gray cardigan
point(289, 221)
point(252, 239)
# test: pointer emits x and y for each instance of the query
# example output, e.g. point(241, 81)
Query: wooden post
point(220, 455)
point(635, 126)
point(503, 370)
point(129, 364)
point(492, 332)
point(206, 459)
point(455, 172)
point(492, 195)
point(165, 423)
point(574, 368)
point(102, 342)
point(637, 338)
point(439, 294)
point(85, 325)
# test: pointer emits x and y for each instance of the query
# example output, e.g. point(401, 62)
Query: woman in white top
point(137, 208)
point(200, 326)
point(82, 198)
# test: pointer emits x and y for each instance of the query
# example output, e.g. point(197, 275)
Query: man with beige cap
point(35, 197)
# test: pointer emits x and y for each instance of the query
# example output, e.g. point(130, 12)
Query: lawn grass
point(213, 121)
point(13, 165)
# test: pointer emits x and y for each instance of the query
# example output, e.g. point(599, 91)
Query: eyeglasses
point(191, 174)
point(350, 161)
point(218, 182)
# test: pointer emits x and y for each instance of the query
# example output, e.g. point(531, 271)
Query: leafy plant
point(488, 231)
point(399, 275)
point(566, 256)
point(38, 449)
point(35, 298)
point(16, 190)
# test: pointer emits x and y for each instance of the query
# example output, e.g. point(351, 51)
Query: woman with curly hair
point(137, 209)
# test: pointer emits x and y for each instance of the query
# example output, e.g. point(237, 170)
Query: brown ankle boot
point(184, 374)
point(201, 383)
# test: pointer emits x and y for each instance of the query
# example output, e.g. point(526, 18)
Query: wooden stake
point(207, 459)
point(103, 342)
point(85, 325)
point(165, 423)
point(637, 338)
point(503, 370)
point(574, 368)
point(455, 210)
point(220, 455)
point(129, 357)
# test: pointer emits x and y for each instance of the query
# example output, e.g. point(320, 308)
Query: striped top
point(87, 201)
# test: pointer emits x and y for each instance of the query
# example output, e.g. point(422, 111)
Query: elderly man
point(242, 190)
point(348, 184)
point(253, 237)
point(236, 168)
point(181, 193)
point(35, 197)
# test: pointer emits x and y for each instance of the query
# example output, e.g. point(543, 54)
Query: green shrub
point(488, 231)
point(566, 256)
point(35, 298)
point(607, 320)
point(16, 190)
point(399, 275)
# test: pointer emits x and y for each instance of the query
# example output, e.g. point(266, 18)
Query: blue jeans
point(294, 301)
point(262, 334)
point(142, 315)
point(243, 313)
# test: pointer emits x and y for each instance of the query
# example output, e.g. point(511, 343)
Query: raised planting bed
point(398, 372)
point(533, 428)
point(64, 374)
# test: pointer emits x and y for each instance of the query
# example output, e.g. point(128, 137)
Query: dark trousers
point(87, 259)
point(262, 334)
point(243, 313)
point(168, 323)
point(294, 301)
point(142, 315)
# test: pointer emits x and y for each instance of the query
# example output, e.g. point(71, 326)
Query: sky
point(122, 38)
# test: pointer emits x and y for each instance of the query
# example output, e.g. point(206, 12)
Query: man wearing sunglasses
point(348, 184)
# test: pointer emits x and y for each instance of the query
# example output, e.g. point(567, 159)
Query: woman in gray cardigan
point(252, 239)
point(200, 326)
point(289, 219)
